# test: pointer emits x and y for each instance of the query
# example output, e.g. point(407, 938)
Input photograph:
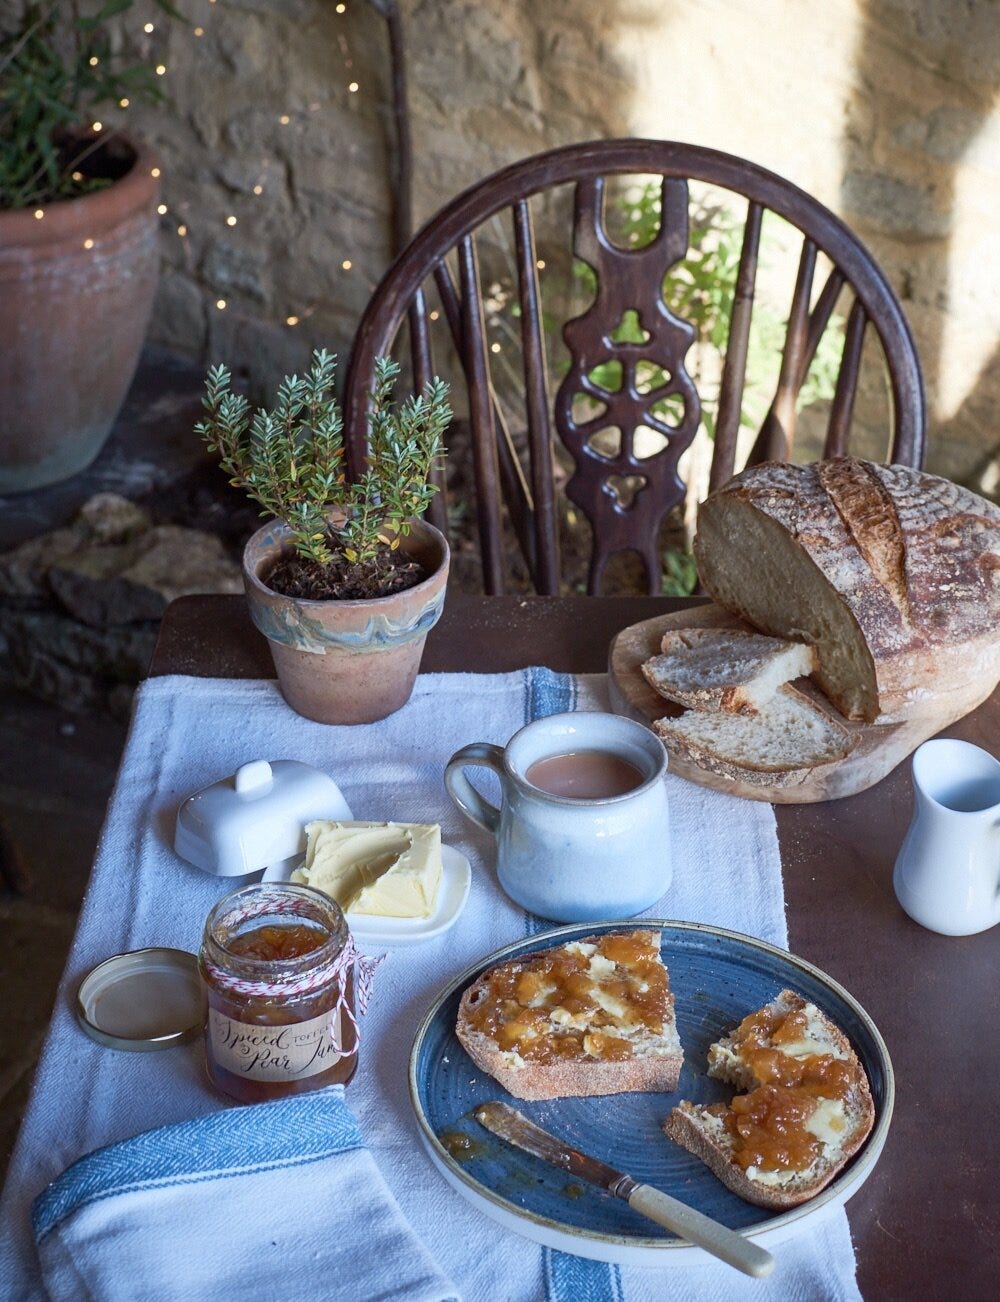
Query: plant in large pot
point(349, 580)
point(78, 236)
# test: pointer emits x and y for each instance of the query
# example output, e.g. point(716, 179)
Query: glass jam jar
point(279, 967)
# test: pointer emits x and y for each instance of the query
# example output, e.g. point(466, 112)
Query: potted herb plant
point(348, 582)
point(78, 237)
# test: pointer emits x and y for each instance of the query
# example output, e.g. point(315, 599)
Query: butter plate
point(456, 878)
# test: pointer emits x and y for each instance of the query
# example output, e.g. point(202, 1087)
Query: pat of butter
point(389, 870)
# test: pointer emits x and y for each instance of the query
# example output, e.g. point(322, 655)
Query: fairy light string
point(152, 36)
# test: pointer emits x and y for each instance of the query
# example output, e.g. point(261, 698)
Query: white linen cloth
point(188, 732)
point(154, 1217)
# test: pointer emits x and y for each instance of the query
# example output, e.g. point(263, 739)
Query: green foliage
point(56, 71)
point(680, 577)
point(291, 460)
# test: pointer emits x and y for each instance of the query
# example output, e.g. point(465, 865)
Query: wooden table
point(927, 1222)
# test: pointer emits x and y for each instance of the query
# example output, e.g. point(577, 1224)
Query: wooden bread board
point(878, 747)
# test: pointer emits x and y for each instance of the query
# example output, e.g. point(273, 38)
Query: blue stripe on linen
point(576, 1279)
point(567, 1278)
point(286, 1132)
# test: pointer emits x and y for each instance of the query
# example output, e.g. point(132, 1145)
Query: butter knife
point(508, 1124)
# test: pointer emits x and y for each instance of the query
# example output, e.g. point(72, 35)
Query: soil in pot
point(387, 572)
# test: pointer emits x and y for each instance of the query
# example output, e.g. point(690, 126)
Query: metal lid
point(144, 1000)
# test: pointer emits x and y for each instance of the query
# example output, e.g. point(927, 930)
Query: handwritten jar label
point(276, 1053)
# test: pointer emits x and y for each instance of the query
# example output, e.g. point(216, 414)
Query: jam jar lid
point(143, 1000)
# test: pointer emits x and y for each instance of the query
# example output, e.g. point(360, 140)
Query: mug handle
point(480, 755)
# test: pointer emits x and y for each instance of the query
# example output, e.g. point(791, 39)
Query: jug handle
point(479, 754)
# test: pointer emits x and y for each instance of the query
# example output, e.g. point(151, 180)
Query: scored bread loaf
point(593, 1016)
point(784, 1056)
point(782, 745)
point(728, 669)
point(892, 574)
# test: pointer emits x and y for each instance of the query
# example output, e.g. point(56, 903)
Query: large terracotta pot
point(346, 661)
point(77, 289)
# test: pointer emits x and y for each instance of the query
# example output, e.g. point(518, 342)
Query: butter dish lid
point(255, 818)
point(144, 1000)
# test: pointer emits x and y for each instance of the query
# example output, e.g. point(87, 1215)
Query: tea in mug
point(584, 775)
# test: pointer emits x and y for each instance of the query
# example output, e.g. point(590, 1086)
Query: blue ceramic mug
point(569, 858)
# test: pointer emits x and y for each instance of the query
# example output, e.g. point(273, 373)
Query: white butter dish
point(255, 818)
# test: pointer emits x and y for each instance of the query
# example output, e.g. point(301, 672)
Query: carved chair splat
point(623, 489)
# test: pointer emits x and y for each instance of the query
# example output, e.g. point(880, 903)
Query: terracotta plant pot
point(77, 289)
point(346, 661)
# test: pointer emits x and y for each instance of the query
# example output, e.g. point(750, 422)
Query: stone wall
point(279, 119)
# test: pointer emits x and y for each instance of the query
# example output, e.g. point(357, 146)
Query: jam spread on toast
point(581, 1000)
point(801, 1098)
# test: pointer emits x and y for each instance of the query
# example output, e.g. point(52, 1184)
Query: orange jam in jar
point(280, 971)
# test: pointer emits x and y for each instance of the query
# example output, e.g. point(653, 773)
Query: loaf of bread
point(786, 742)
point(892, 575)
point(807, 1110)
point(733, 670)
point(593, 1016)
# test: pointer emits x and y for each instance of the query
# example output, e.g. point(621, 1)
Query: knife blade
point(510, 1125)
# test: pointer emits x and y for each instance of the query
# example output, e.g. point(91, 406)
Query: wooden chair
point(628, 280)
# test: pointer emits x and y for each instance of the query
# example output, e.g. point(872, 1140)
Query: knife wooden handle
point(717, 1239)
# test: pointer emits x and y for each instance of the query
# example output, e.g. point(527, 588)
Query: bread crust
point(570, 1078)
point(689, 1126)
point(913, 558)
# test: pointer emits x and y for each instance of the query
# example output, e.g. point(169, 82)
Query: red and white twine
point(348, 961)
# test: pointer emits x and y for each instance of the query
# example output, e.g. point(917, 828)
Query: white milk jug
point(947, 875)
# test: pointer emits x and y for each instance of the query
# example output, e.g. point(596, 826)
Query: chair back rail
point(624, 496)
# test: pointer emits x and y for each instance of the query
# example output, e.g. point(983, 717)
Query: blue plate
point(717, 978)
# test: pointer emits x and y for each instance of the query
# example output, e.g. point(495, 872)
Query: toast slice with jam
point(594, 1016)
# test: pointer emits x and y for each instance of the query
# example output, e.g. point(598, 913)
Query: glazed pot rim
point(91, 213)
point(355, 603)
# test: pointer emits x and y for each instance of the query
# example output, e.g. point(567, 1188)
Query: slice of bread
point(732, 670)
point(785, 1055)
point(786, 741)
point(594, 1016)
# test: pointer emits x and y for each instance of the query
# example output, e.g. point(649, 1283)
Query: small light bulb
point(220, 303)
point(77, 176)
point(160, 69)
point(93, 60)
point(148, 28)
point(39, 214)
point(154, 171)
point(97, 126)
point(182, 230)
point(494, 348)
point(341, 9)
point(353, 87)
point(258, 189)
point(284, 119)
point(347, 264)
point(123, 103)
point(199, 31)
point(88, 244)
point(230, 220)
point(540, 264)
point(435, 314)
point(291, 320)
point(161, 209)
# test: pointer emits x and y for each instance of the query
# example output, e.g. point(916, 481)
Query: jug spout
point(947, 875)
